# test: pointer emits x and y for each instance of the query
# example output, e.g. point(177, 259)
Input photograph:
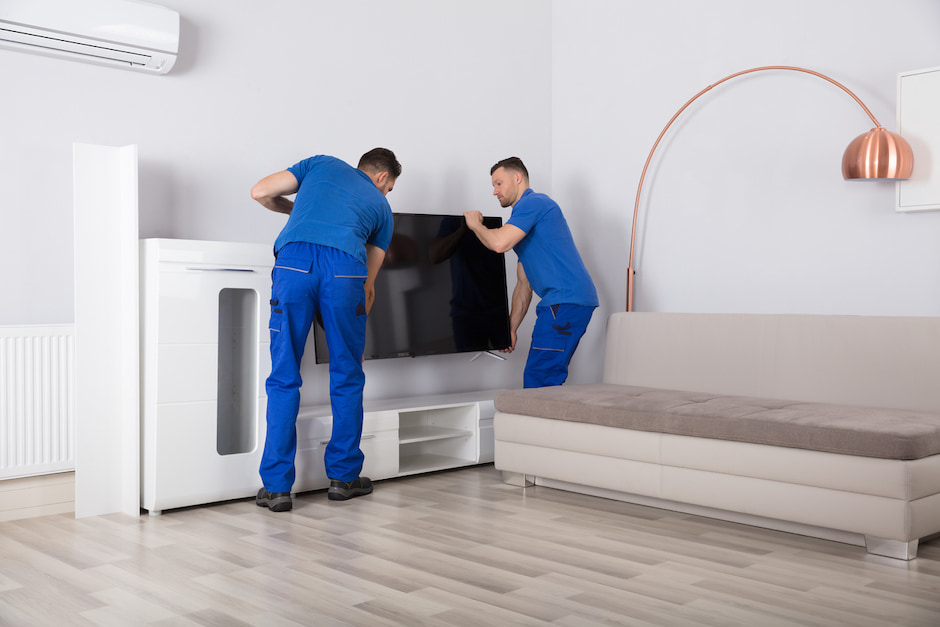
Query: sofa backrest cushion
point(891, 362)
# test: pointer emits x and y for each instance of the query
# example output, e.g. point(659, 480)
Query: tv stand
point(489, 353)
point(402, 437)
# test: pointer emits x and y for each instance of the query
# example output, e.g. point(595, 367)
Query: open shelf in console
point(434, 438)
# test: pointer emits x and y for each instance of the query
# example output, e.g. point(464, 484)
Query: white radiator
point(37, 407)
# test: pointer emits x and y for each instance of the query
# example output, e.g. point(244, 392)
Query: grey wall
point(731, 219)
point(744, 208)
point(451, 87)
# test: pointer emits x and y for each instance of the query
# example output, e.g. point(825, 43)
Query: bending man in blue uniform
point(549, 264)
point(326, 259)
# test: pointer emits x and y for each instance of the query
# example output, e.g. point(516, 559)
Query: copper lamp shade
point(878, 154)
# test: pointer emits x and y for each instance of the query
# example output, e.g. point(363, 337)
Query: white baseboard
point(41, 495)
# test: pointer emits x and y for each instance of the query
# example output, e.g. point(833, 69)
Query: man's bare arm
point(270, 191)
point(375, 256)
point(499, 240)
point(521, 298)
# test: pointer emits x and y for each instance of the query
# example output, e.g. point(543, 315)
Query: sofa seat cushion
point(850, 430)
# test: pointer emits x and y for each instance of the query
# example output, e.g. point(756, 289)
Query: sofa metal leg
point(897, 549)
point(517, 479)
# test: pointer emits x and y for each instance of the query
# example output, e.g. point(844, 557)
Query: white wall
point(731, 220)
point(257, 87)
point(579, 89)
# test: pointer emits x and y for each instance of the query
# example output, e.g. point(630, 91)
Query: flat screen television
point(439, 291)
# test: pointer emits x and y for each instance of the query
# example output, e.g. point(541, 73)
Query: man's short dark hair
point(511, 163)
point(380, 160)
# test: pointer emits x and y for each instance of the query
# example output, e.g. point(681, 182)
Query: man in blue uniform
point(326, 259)
point(549, 264)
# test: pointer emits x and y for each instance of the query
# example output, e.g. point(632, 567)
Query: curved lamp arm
point(897, 165)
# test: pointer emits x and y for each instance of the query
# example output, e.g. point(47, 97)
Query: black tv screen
point(439, 291)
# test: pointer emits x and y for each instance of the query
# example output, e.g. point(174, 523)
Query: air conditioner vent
point(120, 33)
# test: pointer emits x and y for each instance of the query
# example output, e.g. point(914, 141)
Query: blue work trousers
point(558, 330)
point(309, 278)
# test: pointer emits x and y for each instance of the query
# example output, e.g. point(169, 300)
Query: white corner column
point(107, 443)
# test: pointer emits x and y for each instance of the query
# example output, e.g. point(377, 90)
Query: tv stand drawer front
point(312, 425)
point(379, 445)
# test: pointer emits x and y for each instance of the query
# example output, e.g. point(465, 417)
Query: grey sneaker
point(276, 501)
point(343, 490)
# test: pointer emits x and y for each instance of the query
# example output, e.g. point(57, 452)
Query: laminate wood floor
point(450, 548)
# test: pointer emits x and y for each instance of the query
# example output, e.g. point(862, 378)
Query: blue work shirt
point(548, 254)
point(337, 205)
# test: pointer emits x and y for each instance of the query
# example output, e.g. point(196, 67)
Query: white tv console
point(204, 359)
point(403, 437)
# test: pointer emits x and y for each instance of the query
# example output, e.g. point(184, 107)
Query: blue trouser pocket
point(347, 288)
point(557, 333)
point(277, 316)
point(350, 270)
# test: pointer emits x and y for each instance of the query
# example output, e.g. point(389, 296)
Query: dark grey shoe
point(276, 501)
point(342, 490)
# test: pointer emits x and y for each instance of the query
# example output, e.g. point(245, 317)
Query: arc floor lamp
point(878, 154)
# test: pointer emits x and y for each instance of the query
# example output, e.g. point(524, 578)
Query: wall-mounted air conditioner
point(119, 33)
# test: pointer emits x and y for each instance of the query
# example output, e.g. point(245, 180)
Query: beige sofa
point(820, 425)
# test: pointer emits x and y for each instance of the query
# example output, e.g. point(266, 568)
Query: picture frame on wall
point(919, 124)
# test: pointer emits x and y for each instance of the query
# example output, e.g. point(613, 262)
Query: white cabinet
point(204, 359)
point(205, 355)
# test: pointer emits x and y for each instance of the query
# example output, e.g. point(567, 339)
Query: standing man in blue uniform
point(549, 264)
point(326, 259)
